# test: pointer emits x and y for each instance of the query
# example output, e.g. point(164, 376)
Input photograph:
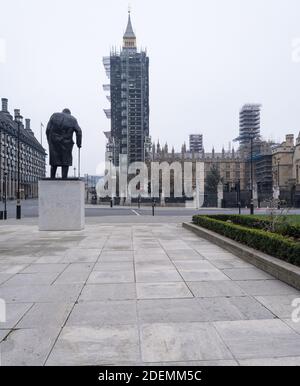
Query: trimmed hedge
point(264, 223)
point(270, 243)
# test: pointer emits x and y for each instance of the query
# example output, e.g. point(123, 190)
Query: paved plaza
point(138, 294)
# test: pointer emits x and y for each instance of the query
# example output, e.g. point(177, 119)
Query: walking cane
point(79, 162)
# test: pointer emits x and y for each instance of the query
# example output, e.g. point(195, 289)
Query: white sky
point(207, 58)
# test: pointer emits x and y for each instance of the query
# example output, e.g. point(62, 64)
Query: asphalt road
point(30, 210)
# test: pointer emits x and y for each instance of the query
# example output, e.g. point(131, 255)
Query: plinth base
point(61, 205)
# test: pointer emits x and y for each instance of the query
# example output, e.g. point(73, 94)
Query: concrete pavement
point(138, 294)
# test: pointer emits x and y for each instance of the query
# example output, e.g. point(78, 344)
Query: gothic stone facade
point(286, 170)
point(231, 166)
point(32, 157)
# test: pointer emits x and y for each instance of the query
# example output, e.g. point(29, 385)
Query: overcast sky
point(207, 58)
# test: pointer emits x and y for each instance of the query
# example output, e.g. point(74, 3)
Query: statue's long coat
point(60, 130)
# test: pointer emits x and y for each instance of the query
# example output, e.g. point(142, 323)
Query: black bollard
point(153, 206)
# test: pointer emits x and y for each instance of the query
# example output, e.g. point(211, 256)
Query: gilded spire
point(129, 38)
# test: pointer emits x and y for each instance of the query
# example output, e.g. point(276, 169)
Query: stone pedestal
point(61, 205)
point(220, 194)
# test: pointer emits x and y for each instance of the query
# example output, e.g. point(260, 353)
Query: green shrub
point(270, 243)
point(282, 228)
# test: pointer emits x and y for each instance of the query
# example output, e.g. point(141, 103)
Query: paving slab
point(45, 268)
point(14, 313)
point(194, 265)
point(117, 246)
point(163, 290)
point(102, 313)
point(149, 252)
point(4, 277)
point(170, 311)
point(174, 245)
point(114, 266)
point(28, 347)
point(46, 314)
point(233, 308)
point(267, 287)
point(10, 268)
point(98, 277)
point(92, 346)
point(280, 305)
point(230, 263)
point(98, 292)
point(294, 324)
point(181, 342)
point(154, 265)
point(188, 254)
point(210, 289)
point(112, 256)
point(40, 293)
point(49, 259)
point(3, 334)
point(246, 274)
point(209, 274)
point(29, 279)
point(79, 255)
point(254, 339)
point(156, 257)
point(156, 276)
point(75, 273)
point(211, 256)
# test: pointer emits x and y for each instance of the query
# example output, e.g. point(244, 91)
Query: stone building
point(32, 157)
point(286, 170)
point(230, 164)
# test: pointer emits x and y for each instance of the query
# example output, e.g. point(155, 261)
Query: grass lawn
point(293, 219)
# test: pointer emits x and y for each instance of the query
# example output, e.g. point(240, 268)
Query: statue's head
point(66, 111)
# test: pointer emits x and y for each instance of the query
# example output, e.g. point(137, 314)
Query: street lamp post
point(5, 195)
point(251, 193)
point(87, 188)
point(18, 208)
point(110, 172)
point(238, 194)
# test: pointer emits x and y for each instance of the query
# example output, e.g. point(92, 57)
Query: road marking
point(135, 212)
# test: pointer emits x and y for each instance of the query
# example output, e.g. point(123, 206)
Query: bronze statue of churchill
point(60, 130)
